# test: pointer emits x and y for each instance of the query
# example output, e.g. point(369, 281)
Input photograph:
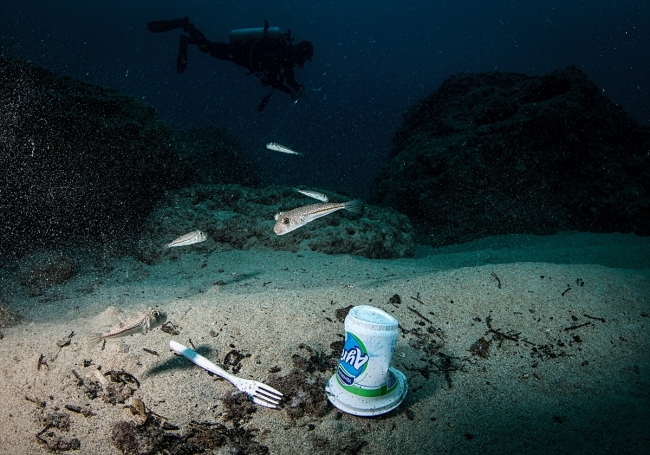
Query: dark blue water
point(372, 60)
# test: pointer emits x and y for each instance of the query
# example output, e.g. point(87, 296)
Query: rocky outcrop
point(503, 153)
point(77, 159)
point(239, 217)
point(80, 160)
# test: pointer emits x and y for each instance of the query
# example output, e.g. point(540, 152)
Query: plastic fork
point(259, 392)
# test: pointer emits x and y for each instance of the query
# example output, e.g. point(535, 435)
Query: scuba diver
point(267, 52)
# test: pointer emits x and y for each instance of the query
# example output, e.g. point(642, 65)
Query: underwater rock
point(505, 153)
point(77, 159)
point(41, 270)
point(238, 217)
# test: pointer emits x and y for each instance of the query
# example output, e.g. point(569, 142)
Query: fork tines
point(267, 396)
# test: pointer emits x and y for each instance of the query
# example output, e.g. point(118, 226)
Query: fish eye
point(156, 313)
point(285, 220)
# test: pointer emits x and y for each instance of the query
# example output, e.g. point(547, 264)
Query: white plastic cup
point(364, 383)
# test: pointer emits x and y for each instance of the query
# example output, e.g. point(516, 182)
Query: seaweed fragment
point(42, 362)
point(86, 412)
point(36, 401)
point(91, 388)
point(395, 299)
point(498, 335)
point(233, 360)
point(498, 280)
point(153, 437)
point(239, 408)
point(121, 387)
point(170, 328)
point(480, 348)
point(342, 313)
point(430, 341)
point(147, 438)
point(56, 442)
point(318, 361)
point(351, 444)
point(209, 436)
point(303, 394)
point(447, 364)
point(59, 420)
point(53, 423)
point(413, 310)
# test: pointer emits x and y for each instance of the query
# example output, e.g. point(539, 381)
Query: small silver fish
point(141, 322)
point(188, 239)
point(281, 148)
point(292, 220)
point(313, 194)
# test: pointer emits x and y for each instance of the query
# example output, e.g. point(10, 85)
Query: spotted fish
point(313, 194)
point(141, 322)
point(281, 148)
point(292, 220)
point(188, 239)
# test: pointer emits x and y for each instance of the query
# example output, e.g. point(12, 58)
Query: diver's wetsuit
point(271, 59)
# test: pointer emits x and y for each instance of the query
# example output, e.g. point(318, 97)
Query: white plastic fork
point(259, 392)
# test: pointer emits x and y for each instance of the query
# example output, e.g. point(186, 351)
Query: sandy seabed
point(513, 344)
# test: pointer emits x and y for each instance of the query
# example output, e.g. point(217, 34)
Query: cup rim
point(367, 406)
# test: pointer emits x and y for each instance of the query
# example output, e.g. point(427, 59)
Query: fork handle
point(199, 360)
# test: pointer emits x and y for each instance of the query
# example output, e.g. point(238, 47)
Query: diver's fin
point(165, 26)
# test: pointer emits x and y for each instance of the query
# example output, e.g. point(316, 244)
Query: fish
point(188, 239)
point(281, 148)
point(314, 194)
point(141, 322)
point(292, 220)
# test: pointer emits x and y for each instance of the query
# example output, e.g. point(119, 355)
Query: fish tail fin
point(354, 206)
point(93, 339)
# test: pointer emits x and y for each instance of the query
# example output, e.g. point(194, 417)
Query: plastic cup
point(364, 383)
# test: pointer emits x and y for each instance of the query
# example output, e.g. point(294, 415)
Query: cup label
point(354, 359)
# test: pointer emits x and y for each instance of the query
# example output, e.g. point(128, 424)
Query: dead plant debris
point(239, 408)
point(232, 360)
point(153, 436)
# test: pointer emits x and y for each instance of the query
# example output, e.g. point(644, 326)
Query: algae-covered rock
point(505, 153)
point(77, 159)
point(239, 217)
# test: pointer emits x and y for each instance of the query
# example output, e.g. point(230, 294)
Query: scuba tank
point(243, 34)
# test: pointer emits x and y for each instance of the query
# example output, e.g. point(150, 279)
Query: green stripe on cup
point(368, 393)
